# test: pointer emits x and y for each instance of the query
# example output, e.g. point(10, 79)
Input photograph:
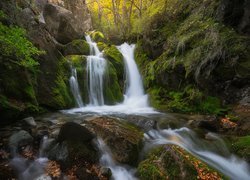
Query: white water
point(135, 100)
point(28, 169)
point(96, 66)
point(74, 87)
point(230, 165)
point(118, 172)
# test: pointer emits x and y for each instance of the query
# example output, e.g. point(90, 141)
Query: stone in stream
point(124, 139)
point(19, 139)
point(73, 146)
point(30, 121)
point(71, 131)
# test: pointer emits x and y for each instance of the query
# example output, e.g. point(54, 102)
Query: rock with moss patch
point(76, 47)
point(173, 162)
point(241, 146)
point(124, 140)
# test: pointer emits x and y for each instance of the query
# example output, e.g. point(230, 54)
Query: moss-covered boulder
point(112, 89)
point(115, 57)
point(59, 87)
point(76, 47)
point(124, 140)
point(241, 146)
point(172, 162)
point(79, 62)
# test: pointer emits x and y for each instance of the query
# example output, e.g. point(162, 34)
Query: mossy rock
point(112, 90)
point(97, 36)
point(173, 162)
point(76, 47)
point(124, 139)
point(80, 63)
point(115, 57)
point(241, 146)
point(101, 45)
point(61, 90)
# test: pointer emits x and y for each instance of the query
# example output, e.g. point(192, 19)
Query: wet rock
point(124, 140)
point(19, 139)
point(58, 152)
point(74, 132)
point(73, 146)
point(211, 123)
point(83, 173)
point(106, 172)
point(173, 162)
point(30, 121)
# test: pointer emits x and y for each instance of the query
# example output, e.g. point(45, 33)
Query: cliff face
point(48, 25)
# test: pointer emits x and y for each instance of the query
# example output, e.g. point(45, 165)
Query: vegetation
point(15, 46)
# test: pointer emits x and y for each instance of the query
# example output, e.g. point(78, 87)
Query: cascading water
point(118, 172)
point(28, 169)
point(134, 95)
point(75, 87)
point(96, 66)
point(210, 153)
point(135, 100)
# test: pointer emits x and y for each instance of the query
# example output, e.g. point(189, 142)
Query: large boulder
point(61, 23)
point(80, 12)
point(19, 139)
point(74, 145)
point(125, 140)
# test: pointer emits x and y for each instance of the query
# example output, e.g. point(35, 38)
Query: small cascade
point(118, 172)
point(209, 152)
point(134, 95)
point(28, 169)
point(75, 87)
point(96, 66)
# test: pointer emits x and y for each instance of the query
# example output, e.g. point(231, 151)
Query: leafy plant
point(15, 46)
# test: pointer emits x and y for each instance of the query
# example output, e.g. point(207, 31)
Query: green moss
point(241, 146)
point(16, 47)
point(101, 46)
point(77, 47)
point(115, 57)
point(149, 171)
point(191, 99)
point(166, 162)
point(112, 90)
point(29, 90)
point(97, 36)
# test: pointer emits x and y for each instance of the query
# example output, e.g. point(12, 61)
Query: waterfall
point(75, 87)
point(96, 66)
point(134, 95)
point(135, 100)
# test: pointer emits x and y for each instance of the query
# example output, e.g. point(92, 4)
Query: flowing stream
point(118, 172)
point(214, 153)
